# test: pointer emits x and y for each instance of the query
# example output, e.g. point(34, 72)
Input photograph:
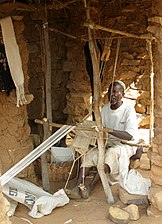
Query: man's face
point(115, 93)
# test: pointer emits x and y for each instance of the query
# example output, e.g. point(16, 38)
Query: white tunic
point(122, 119)
point(117, 156)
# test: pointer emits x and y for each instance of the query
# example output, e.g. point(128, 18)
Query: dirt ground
point(93, 210)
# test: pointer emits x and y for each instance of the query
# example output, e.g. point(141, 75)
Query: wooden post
point(44, 162)
point(96, 101)
point(151, 92)
point(46, 127)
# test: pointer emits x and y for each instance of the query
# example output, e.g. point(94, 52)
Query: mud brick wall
point(14, 128)
point(78, 98)
point(36, 64)
point(133, 61)
point(155, 27)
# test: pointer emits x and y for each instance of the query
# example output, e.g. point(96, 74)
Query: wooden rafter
point(94, 26)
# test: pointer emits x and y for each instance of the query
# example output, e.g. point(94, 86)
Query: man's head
point(116, 93)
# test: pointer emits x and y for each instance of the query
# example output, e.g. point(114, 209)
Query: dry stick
point(98, 27)
point(63, 33)
point(116, 58)
point(152, 93)
point(100, 141)
point(59, 5)
point(72, 167)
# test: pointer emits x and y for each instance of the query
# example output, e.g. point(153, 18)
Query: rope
point(73, 167)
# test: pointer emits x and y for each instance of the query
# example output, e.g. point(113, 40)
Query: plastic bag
point(134, 183)
point(36, 199)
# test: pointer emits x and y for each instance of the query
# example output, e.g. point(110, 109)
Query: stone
point(156, 19)
point(128, 75)
point(147, 110)
point(134, 164)
point(128, 56)
point(118, 215)
point(127, 198)
point(69, 66)
point(145, 162)
point(4, 207)
point(17, 18)
point(144, 101)
point(130, 62)
point(155, 197)
point(158, 138)
point(140, 108)
point(154, 212)
point(145, 122)
point(155, 158)
point(133, 212)
point(144, 95)
point(156, 174)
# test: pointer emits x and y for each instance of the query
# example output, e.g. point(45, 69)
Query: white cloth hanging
point(13, 58)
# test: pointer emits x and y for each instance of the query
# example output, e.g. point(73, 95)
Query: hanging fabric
point(89, 65)
point(6, 82)
point(13, 58)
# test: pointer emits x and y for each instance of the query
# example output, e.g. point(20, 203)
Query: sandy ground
point(90, 211)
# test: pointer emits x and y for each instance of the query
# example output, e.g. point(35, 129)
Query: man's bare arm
point(121, 134)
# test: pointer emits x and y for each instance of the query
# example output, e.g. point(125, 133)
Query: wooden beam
point(98, 27)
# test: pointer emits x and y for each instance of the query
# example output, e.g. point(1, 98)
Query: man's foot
point(73, 193)
point(85, 191)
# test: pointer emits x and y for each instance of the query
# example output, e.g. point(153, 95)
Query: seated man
point(119, 116)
